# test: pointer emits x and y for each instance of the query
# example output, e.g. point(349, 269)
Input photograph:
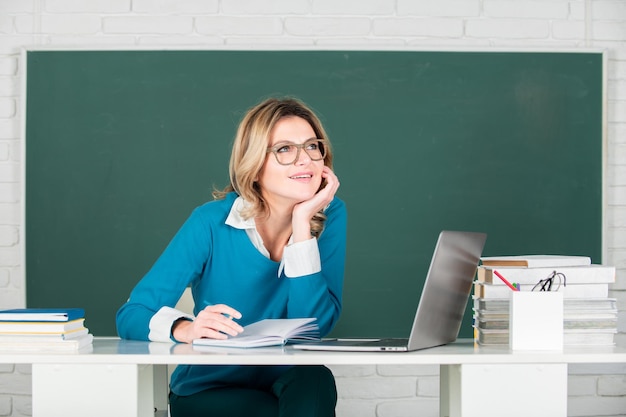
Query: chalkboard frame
point(354, 322)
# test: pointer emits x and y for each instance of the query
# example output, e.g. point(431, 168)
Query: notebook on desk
point(442, 303)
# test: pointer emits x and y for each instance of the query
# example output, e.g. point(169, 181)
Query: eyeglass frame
point(546, 283)
point(274, 149)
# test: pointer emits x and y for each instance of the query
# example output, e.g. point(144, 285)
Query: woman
point(272, 245)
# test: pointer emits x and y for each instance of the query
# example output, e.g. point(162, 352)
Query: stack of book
point(31, 329)
point(589, 315)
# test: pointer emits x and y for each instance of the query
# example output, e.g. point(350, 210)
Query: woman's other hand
point(214, 322)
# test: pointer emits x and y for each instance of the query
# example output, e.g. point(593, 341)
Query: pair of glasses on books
point(551, 283)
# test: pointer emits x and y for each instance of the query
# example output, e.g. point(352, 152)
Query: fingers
point(332, 182)
point(326, 194)
point(224, 310)
point(217, 322)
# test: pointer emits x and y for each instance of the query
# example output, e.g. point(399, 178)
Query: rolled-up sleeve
point(302, 258)
point(161, 324)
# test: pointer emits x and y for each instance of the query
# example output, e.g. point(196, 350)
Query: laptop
point(442, 303)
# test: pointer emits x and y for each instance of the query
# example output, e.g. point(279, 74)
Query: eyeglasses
point(287, 153)
point(547, 283)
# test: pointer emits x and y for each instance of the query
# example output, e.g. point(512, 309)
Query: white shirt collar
point(235, 219)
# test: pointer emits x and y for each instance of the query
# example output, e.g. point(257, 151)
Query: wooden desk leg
point(510, 390)
point(79, 390)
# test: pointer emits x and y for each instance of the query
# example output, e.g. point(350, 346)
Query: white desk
point(116, 378)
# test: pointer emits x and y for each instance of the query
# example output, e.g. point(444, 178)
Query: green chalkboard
point(122, 145)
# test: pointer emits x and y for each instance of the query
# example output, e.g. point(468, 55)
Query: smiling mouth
point(298, 177)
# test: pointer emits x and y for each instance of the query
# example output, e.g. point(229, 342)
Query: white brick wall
point(364, 391)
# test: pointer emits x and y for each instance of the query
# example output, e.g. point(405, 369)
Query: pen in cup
point(505, 281)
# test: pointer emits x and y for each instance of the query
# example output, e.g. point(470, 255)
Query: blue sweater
point(222, 266)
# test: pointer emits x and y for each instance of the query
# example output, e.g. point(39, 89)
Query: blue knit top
point(222, 266)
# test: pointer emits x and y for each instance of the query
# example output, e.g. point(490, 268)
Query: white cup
point(536, 320)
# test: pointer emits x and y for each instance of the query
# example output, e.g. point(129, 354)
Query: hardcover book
point(40, 327)
point(536, 261)
point(42, 314)
point(45, 345)
point(589, 274)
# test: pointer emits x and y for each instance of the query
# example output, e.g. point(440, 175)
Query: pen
point(505, 281)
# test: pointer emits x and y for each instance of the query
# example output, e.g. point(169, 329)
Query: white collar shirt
point(299, 259)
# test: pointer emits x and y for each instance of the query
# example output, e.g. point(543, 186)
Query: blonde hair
point(249, 153)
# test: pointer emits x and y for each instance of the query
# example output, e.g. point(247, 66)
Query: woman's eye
point(285, 148)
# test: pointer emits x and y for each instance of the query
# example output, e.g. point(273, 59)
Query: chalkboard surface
point(122, 145)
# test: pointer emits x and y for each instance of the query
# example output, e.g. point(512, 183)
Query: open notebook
point(442, 304)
